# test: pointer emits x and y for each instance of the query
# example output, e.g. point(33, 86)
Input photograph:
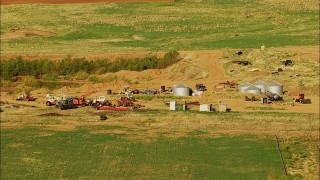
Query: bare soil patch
point(24, 33)
point(51, 114)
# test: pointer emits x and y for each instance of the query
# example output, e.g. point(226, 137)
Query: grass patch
point(179, 25)
point(26, 155)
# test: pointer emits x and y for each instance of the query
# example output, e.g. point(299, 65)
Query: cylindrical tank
point(275, 87)
point(253, 90)
point(261, 85)
point(181, 90)
point(243, 87)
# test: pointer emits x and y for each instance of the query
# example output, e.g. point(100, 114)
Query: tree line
point(71, 66)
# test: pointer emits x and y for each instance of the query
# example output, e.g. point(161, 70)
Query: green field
point(29, 154)
point(157, 144)
point(139, 27)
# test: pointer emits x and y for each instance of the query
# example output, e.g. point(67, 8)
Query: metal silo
point(181, 90)
point(275, 87)
point(253, 90)
point(243, 87)
point(261, 85)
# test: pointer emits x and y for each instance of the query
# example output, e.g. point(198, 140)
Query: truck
point(53, 100)
point(69, 103)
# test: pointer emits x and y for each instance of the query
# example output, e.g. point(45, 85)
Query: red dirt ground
point(7, 2)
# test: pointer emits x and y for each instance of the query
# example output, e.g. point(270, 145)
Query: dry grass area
point(295, 5)
point(21, 33)
point(8, 2)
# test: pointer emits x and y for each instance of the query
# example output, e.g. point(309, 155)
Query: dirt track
point(7, 2)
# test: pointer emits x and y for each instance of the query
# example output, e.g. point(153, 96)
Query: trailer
point(112, 108)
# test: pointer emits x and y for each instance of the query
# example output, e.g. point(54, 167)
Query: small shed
point(181, 90)
point(253, 90)
point(173, 105)
point(261, 85)
point(243, 87)
point(205, 107)
point(222, 107)
point(275, 87)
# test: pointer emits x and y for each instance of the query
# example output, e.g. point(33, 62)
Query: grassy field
point(33, 153)
point(169, 145)
point(139, 27)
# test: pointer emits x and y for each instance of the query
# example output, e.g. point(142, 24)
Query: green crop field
point(156, 144)
point(139, 27)
point(29, 153)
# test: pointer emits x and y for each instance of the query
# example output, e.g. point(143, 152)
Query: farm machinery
point(273, 96)
point(200, 87)
point(26, 97)
point(300, 98)
point(53, 100)
point(125, 102)
point(101, 101)
point(69, 103)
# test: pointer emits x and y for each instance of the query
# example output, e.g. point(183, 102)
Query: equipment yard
point(121, 89)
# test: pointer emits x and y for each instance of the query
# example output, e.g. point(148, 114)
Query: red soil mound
point(7, 2)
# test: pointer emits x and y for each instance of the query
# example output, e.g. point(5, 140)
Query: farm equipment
point(53, 100)
point(246, 98)
point(200, 87)
point(125, 102)
point(69, 103)
point(230, 84)
point(273, 96)
point(112, 108)
point(26, 97)
point(86, 102)
point(101, 100)
point(300, 98)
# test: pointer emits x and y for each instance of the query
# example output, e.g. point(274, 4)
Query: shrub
point(50, 77)
point(6, 83)
point(30, 81)
point(81, 75)
point(94, 78)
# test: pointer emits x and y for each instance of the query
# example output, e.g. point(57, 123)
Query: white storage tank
point(261, 85)
point(243, 87)
point(253, 90)
point(181, 90)
point(275, 87)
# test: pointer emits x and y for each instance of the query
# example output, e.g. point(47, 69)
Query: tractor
point(26, 97)
point(125, 102)
point(300, 98)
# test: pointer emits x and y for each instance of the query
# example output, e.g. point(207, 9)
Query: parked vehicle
point(200, 87)
point(26, 97)
point(69, 103)
point(300, 98)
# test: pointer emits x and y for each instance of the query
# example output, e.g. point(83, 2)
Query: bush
point(30, 81)
point(81, 75)
point(81, 67)
point(6, 83)
point(50, 77)
point(94, 78)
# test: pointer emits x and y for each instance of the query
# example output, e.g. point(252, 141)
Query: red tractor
point(26, 97)
point(125, 102)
